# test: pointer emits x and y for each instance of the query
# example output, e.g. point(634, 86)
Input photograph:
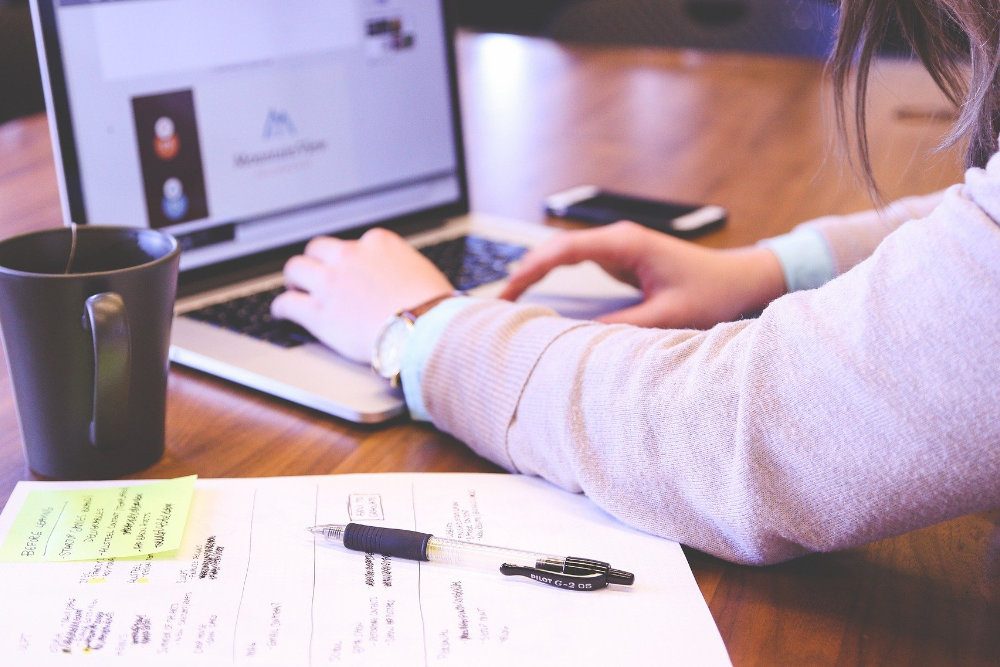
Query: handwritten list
point(59, 524)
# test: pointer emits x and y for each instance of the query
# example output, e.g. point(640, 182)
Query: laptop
point(246, 127)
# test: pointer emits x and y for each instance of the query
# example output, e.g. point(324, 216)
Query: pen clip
point(582, 580)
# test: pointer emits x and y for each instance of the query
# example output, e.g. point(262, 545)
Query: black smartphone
point(589, 203)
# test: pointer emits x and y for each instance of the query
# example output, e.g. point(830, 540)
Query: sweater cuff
point(805, 258)
point(426, 332)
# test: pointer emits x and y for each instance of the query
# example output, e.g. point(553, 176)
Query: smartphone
point(590, 203)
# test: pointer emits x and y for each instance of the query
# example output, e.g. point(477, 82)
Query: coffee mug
point(86, 314)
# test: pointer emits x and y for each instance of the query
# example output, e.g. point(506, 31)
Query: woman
point(863, 402)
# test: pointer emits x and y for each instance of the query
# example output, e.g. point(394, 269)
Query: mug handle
point(106, 319)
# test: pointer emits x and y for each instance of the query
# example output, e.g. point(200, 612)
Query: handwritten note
point(102, 522)
point(250, 586)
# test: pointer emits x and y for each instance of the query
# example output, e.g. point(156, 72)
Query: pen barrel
point(481, 556)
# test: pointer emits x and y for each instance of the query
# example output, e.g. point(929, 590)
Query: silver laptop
point(246, 127)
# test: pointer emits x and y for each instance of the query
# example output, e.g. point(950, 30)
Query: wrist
point(759, 274)
point(804, 256)
point(391, 342)
point(427, 333)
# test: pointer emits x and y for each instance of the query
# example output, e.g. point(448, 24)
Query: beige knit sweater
point(859, 410)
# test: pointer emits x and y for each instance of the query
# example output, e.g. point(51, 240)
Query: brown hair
point(958, 42)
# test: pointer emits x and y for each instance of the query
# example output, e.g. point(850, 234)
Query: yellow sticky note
point(100, 522)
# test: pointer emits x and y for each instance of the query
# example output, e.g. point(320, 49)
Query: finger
point(520, 280)
point(645, 314)
point(305, 273)
point(537, 263)
point(297, 307)
point(608, 246)
point(326, 249)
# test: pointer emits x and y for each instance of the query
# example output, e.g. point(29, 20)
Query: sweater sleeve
point(816, 251)
point(859, 410)
point(852, 238)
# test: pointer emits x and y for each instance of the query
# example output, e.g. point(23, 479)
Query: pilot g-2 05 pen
point(569, 573)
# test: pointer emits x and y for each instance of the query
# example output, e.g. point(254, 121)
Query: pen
point(570, 573)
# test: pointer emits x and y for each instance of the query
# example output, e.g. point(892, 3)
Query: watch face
point(390, 347)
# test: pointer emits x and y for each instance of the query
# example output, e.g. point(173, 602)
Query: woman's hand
point(683, 285)
point(343, 291)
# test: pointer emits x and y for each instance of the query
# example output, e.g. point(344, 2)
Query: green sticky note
point(100, 522)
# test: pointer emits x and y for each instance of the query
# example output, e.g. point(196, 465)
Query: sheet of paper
point(250, 586)
point(54, 523)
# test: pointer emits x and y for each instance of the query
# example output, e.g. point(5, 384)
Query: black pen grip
point(407, 544)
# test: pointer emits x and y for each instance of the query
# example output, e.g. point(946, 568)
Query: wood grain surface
point(750, 133)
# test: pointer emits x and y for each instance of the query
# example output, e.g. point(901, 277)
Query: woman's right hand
point(683, 285)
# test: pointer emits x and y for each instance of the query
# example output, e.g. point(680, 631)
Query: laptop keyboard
point(251, 315)
point(471, 261)
point(467, 261)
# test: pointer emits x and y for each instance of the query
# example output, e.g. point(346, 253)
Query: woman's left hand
point(343, 291)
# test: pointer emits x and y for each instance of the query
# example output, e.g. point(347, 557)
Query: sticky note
point(100, 522)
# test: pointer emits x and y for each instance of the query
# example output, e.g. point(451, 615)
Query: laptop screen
point(245, 125)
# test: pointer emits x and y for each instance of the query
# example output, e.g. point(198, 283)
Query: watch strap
point(413, 313)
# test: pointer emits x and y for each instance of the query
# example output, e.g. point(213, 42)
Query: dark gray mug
point(86, 317)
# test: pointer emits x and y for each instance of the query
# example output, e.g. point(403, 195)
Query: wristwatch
point(391, 341)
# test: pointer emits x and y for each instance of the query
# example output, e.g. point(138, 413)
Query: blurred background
point(786, 27)
point(20, 85)
point(799, 28)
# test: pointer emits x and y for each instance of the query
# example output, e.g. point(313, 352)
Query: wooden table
point(745, 132)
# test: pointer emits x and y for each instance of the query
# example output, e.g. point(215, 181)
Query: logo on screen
point(165, 143)
point(175, 202)
point(278, 124)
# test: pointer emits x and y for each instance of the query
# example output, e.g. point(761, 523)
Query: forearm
point(816, 427)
